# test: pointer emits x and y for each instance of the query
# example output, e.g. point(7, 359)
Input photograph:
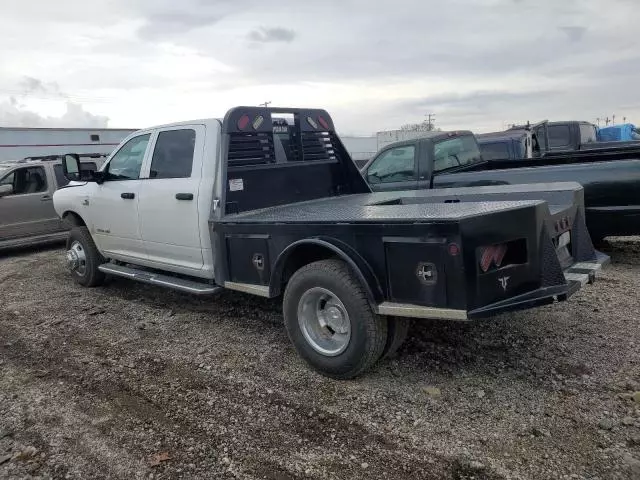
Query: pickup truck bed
point(610, 187)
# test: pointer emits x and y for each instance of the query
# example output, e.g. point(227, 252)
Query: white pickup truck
point(268, 202)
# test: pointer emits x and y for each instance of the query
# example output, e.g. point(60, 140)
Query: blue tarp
point(616, 133)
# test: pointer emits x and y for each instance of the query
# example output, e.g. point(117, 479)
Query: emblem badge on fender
point(504, 282)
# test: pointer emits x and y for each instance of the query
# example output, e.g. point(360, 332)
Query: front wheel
point(83, 258)
point(330, 322)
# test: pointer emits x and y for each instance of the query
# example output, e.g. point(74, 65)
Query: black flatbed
point(293, 196)
point(373, 207)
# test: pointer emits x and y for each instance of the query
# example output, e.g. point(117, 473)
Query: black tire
point(91, 276)
point(368, 330)
point(397, 329)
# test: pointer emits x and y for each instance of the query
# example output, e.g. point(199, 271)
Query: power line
point(431, 118)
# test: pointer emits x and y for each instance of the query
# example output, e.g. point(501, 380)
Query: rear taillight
point(492, 255)
point(502, 255)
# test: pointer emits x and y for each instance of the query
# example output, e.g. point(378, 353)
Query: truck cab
point(410, 164)
point(151, 201)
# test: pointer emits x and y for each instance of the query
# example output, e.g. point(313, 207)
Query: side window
point(26, 180)
point(559, 136)
point(395, 165)
point(127, 162)
point(587, 133)
point(173, 154)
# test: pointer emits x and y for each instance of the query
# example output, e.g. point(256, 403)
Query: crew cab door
point(395, 168)
point(113, 204)
point(26, 206)
point(168, 205)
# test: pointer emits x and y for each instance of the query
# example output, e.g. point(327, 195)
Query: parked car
point(27, 215)
point(611, 179)
point(280, 210)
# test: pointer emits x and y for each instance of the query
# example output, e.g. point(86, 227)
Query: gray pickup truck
point(611, 180)
point(27, 216)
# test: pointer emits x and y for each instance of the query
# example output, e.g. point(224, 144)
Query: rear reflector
point(312, 122)
point(257, 122)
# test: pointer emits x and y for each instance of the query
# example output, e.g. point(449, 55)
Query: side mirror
point(71, 166)
point(6, 190)
point(96, 176)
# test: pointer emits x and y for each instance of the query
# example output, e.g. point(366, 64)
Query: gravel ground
point(131, 381)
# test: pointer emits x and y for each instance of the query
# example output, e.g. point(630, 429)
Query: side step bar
point(189, 286)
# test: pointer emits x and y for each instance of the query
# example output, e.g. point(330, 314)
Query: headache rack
point(275, 156)
point(263, 136)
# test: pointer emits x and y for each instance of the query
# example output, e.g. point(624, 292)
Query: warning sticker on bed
point(236, 184)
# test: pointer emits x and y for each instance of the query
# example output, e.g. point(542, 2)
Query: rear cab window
point(455, 152)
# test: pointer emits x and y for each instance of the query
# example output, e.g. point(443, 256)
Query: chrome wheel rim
point(324, 321)
point(77, 259)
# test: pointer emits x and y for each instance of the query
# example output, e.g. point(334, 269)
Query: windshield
point(456, 152)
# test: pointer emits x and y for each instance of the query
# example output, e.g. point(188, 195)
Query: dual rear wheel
point(331, 324)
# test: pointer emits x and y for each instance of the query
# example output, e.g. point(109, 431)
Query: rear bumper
point(576, 276)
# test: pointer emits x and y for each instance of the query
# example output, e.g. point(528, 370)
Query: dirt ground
point(131, 381)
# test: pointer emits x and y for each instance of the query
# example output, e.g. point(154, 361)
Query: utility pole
point(607, 121)
point(613, 122)
point(598, 121)
point(265, 104)
point(431, 118)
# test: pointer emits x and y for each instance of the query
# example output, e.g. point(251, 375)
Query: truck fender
point(329, 247)
point(73, 219)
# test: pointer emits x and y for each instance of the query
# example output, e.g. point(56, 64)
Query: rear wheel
point(397, 331)
point(83, 258)
point(330, 322)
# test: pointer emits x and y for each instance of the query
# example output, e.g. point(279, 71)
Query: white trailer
point(19, 143)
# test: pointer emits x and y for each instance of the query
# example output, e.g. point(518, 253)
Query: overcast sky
point(375, 65)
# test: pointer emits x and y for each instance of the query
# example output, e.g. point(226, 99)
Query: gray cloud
point(271, 34)
point(575, 34)
point(31, 85)
point(162, 25)
point(14, 114)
